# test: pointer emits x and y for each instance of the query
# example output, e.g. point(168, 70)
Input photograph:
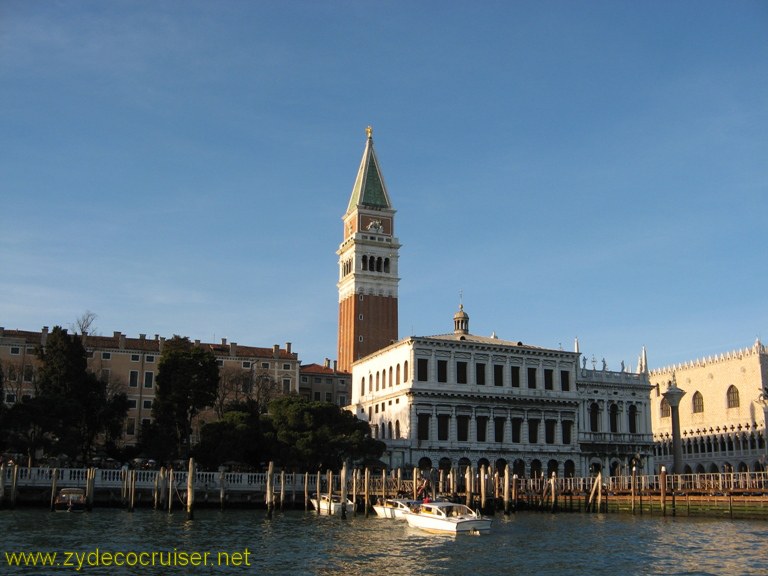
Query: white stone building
point(722, 415)
point(458, 400)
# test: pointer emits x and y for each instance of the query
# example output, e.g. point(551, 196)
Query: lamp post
point(673, 395)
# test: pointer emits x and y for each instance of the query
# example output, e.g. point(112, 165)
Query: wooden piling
point(306, 491)
point(90, 485)
point(383, 484)
point(318, 488)
point(14, 485)
point(634, 487)
point(222, 490)
point(268, 491)
point(170, 490)
point(468, 486)
point(191, 490)
point(355, 475)
point(483, 487)
point(366, 489)
point(54, 477)
point(663, 487)
point(330, 492)
point(343, 480)
point(131, 490)
point(506, 491)
point(514, 493)
point(553, 480)
point(415, 483)
point(2, 485)
point(282, 489)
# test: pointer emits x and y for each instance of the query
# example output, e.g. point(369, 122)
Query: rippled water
point(303, 543)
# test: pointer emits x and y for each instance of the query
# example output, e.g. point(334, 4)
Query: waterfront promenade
point(732, 494)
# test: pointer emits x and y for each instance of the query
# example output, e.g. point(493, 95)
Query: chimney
point(162, 343)
point(121, 343)
point(142, 336)
point(197, 342)
point(288, 347)
point(223, 341)
point(44, 335)
point(335, 363)
point(276, 350)
point(327, 363)
point(233, 348)
point(157, 337)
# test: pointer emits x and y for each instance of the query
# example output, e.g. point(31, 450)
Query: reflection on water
point(303, 543)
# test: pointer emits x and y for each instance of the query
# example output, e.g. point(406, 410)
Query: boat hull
point(331, 508)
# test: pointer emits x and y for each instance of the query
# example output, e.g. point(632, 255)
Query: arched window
point(732, 396)
point(390, 376)
point(405, 372)
point(377, 381)
point(594, 417)
point(362, 386)
point(397, 429)
point(365, 262)
point(666, 409)
point(614, 417)
point(370, 383)
point(397, 375)
point(632, 419)
point(698, 403)
point(389, 429)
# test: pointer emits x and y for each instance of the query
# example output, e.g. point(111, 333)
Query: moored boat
point(70, 500)
point(394, 507)
point(333, 505)
point(447, 517)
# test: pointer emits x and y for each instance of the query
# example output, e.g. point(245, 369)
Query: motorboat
point(394, 507)
point(70, 500)
point(332, 505)
point(448, 517)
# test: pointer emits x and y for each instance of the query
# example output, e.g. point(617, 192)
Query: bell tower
point(367, 266)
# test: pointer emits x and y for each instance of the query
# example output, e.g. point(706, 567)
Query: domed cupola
point(461, 321)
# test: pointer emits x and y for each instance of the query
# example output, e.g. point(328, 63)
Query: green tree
point(320, 435)
point(78, 408)
point(187, 382)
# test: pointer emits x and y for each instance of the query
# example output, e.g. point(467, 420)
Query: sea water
point(113, 541)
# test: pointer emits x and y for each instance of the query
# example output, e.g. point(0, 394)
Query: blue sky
point(576, 169)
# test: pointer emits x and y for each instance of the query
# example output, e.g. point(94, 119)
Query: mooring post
point(317, 489)
point(191, 490)
point(90, 487)
point(514, 493)
point(329, 473)
point(222, 489)
point(306, 491)
point(482, 481)
point(506, 490)
point(282, 489)
point(663, 482)
point(367, 489)
point(634, 489)
point(268, 490)
point(355, 475)
point(131, 490)
point(2, 484)
point(53, 487)
point(553, 485)
point(170, 489)
point(343, 480)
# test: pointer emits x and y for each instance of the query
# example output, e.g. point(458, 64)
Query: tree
point(187, 382)
point(315, 435)
point(79, 408)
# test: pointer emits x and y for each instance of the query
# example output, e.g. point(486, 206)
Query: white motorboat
point(447, 517)
point(333, 505)
point(394, 507)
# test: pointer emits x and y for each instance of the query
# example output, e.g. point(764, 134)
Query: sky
point(579, 169)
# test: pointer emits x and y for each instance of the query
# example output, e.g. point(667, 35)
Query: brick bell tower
point(367, 266)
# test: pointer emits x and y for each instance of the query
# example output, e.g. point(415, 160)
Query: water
point(299, 543)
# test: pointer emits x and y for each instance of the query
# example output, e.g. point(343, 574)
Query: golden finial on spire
point(369, 131)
